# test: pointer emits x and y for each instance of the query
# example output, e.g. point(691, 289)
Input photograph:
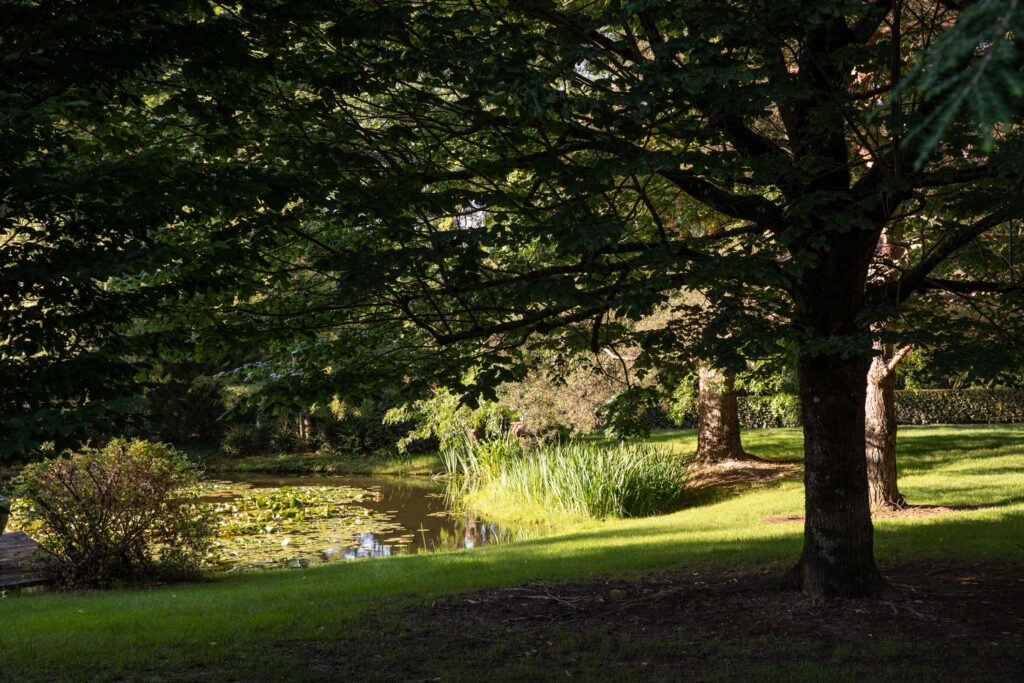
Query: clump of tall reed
point(573, 479)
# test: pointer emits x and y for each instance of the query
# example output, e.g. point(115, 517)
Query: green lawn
point(227, 626)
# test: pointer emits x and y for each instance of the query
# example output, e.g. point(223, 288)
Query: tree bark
point(838, 554)
point(880, 406)
point(880, 430)
point(718, 420)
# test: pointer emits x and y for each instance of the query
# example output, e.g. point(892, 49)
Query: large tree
point(70, 249)
point(492, 171)
point(471, 176)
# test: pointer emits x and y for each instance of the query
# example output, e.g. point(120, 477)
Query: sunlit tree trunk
point(880, 427)
point(880, 403)
point(718, 420)
point(305, 425)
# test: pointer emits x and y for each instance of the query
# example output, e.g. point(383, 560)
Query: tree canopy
point(443, 183)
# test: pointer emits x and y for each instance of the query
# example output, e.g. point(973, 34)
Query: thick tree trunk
point(880, 430)
point(718, 419)
point(838, 555)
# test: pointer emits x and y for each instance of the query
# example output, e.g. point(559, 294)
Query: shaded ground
point(962, 624)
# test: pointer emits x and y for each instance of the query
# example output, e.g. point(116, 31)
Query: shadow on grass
point(921, 447)
point(124, 632)
point(695, 498)
point(159, 631)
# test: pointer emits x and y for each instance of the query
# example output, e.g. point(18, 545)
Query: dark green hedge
point(924, 406)
point(756, 412)
point(962, 406)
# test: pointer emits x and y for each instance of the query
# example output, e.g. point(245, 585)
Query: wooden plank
point(16, 551)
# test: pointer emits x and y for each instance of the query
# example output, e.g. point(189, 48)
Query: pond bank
point(325, 463)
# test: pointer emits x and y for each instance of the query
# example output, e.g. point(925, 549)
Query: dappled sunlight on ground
point(130, 630)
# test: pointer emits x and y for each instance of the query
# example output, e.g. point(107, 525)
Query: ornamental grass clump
point(122, 513)
point(574, 479)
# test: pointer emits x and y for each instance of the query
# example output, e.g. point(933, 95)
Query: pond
point(269, 521)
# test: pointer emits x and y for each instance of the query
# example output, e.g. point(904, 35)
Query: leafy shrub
point(121, 513)
point(283, 436)
point(575, 479)
point(336, 427)
point(764, 412)
point(245, 439)
point(566, 393)
point(363, 428)
point(682, 409)
point(628, 413)
point(446, 418)
point(959, 406)
point(755, 411)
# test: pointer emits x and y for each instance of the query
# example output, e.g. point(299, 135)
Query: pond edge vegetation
point(563, 480)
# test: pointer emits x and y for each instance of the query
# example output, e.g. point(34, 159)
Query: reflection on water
point(470, 533)
point(416, 509)
point(367, 545)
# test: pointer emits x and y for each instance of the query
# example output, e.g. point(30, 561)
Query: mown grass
point(247, 625)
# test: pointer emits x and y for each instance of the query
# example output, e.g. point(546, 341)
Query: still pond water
point(367, 516)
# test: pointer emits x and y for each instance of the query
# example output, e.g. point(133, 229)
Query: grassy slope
point(235, 621)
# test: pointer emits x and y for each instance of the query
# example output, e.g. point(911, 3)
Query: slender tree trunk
point(718, 420)
point(880, 430)
point(838, 555)
point(305, 424)
point(880, 406)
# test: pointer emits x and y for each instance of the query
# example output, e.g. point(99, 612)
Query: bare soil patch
point(740, 472)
